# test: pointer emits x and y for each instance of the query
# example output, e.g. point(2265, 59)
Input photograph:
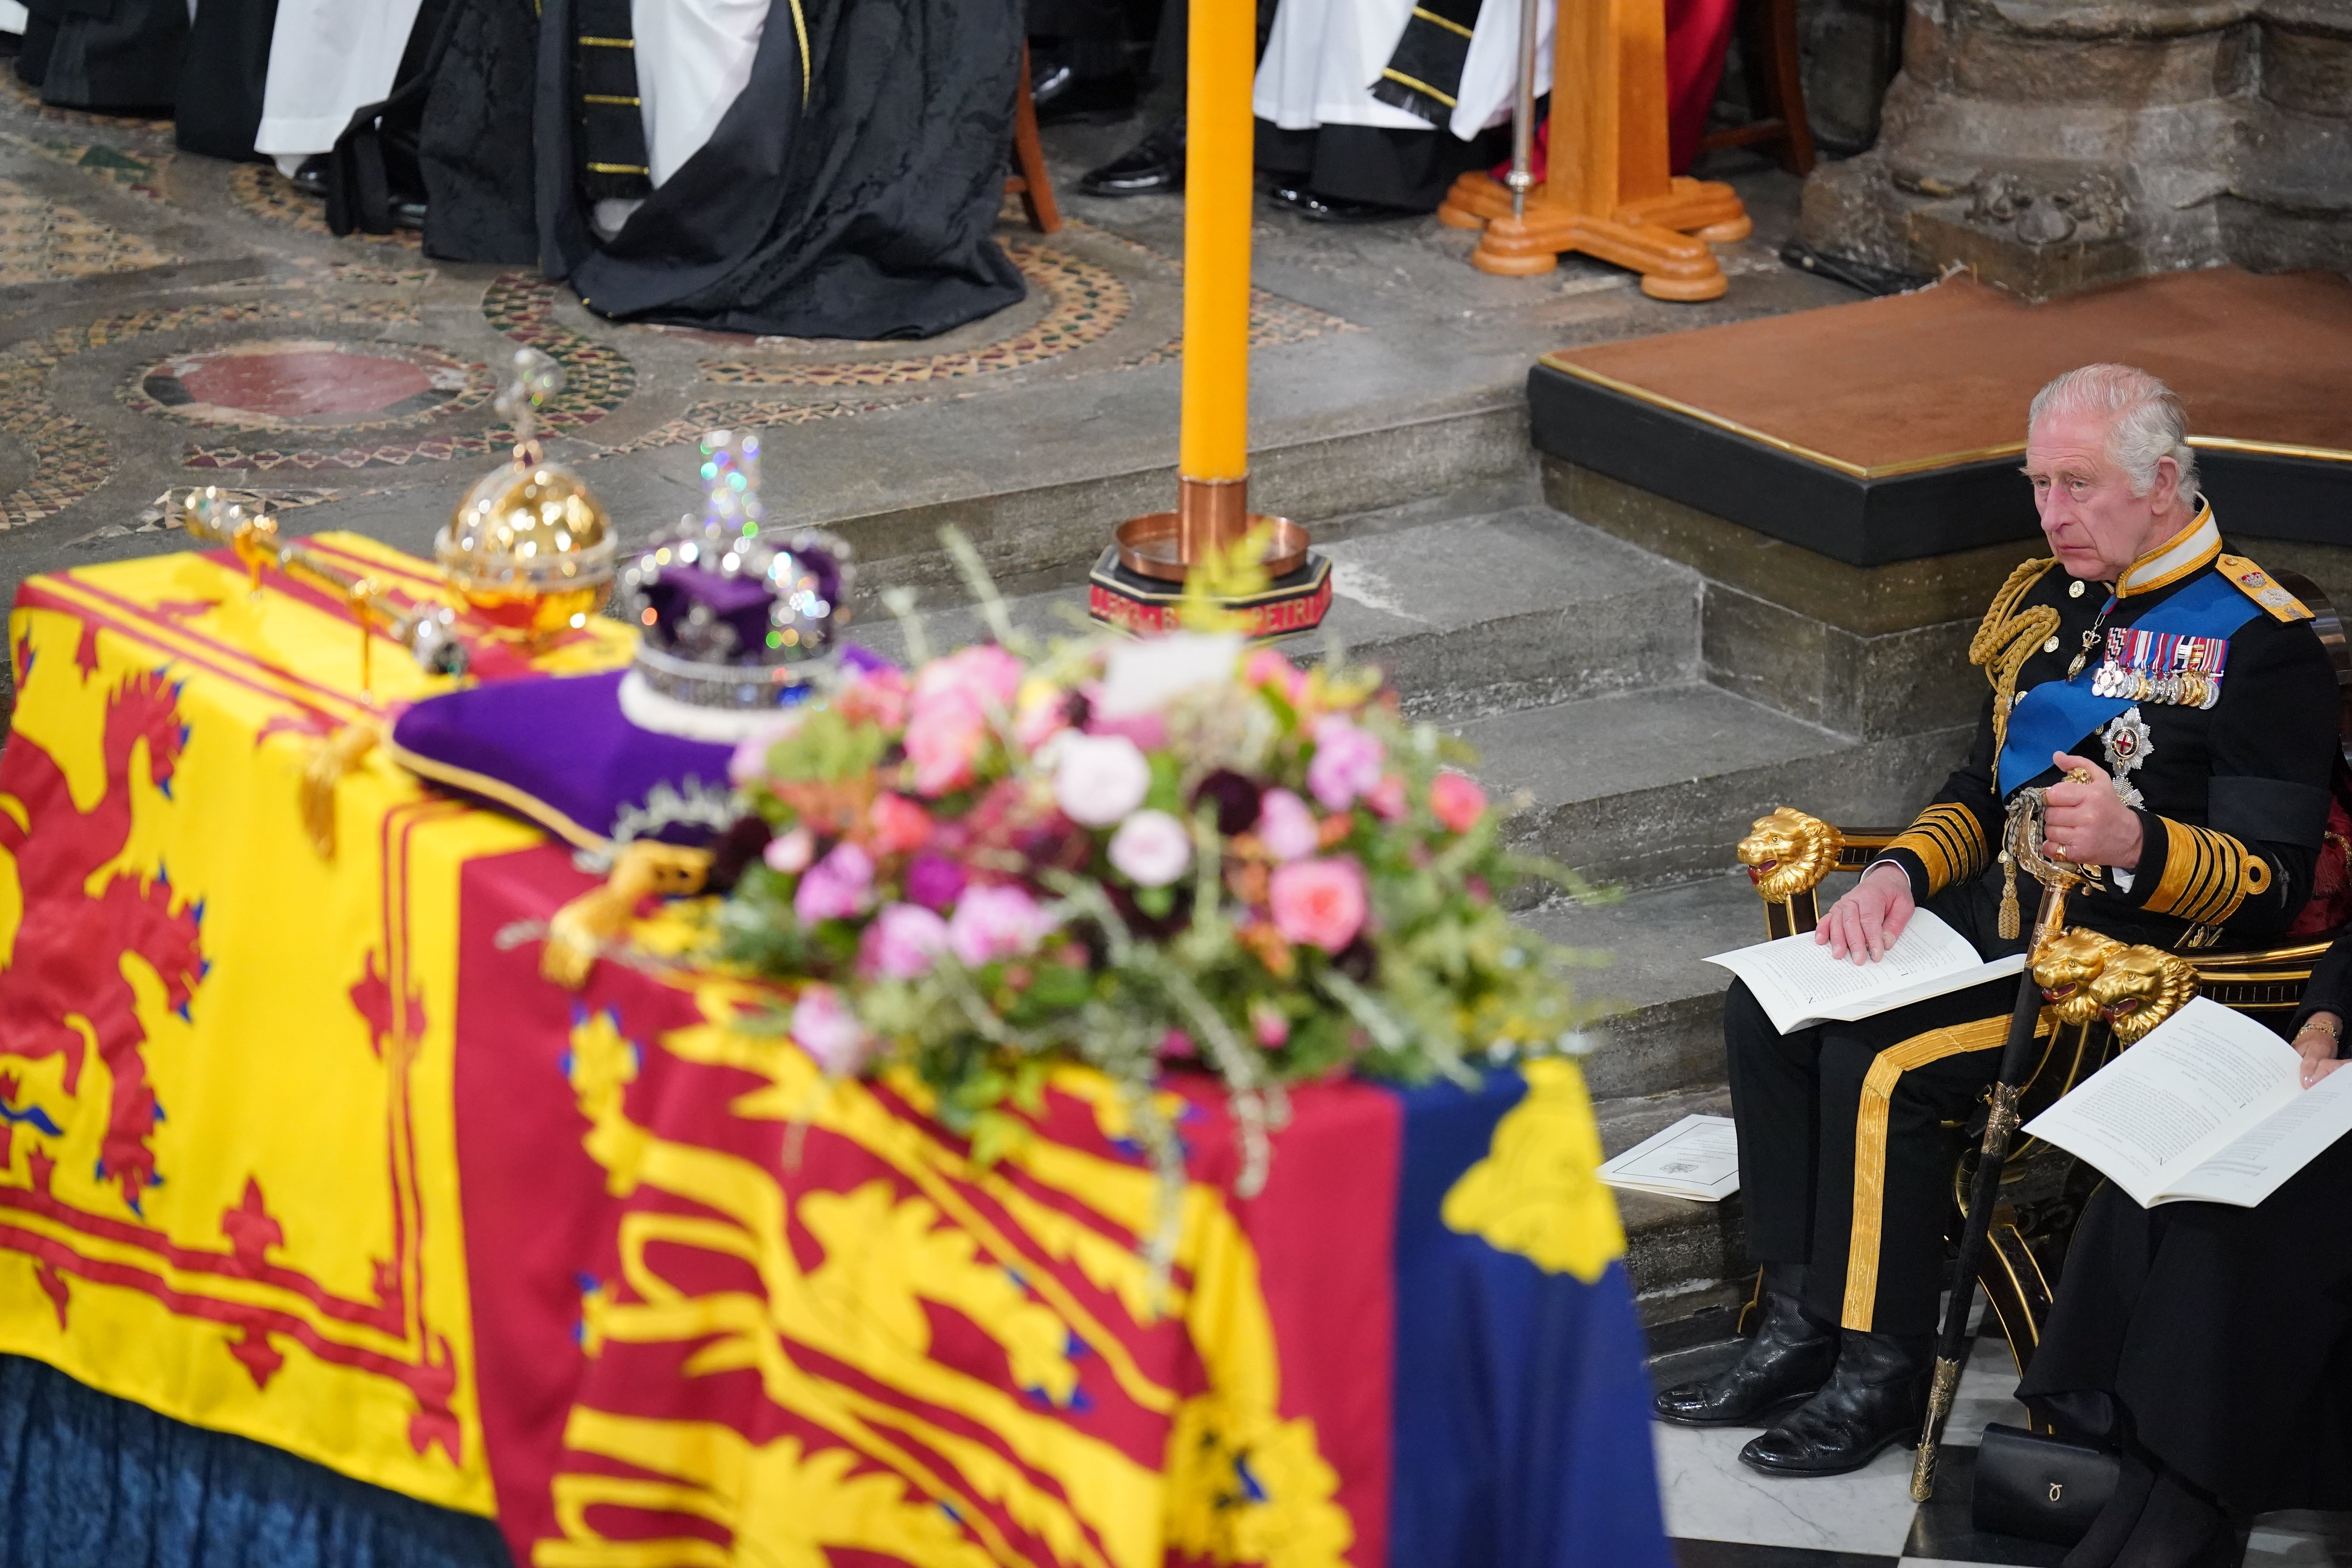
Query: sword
point(2023, 841)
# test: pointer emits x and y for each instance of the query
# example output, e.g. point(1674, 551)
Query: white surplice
point(1322, 58)
point(693, 58)
point(328, 61)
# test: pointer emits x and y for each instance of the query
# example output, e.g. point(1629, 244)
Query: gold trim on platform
point(1556, 360)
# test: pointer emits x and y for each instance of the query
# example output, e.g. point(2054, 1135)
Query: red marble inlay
point(297, 382)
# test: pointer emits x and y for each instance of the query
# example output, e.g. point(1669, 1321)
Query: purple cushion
point(557, 751)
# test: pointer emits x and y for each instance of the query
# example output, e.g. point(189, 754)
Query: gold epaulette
point(2006, 638)
point(2262, 588)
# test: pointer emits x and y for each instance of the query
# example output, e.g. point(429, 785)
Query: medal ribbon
point(2056, 715)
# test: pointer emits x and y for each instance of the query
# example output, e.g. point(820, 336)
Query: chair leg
point(1789, 85)
point(1035, 186)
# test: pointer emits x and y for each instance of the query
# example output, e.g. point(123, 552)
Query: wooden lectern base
point(1665, 238)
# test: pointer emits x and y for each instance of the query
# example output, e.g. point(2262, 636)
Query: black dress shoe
point(1877, 1397)
point(1154, 167)
point(1083, 99)
point(310, 176)
point(408, 212)
point(1788, 1359)
point(1334, 209)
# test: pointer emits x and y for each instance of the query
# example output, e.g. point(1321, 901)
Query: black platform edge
point(1901, 517)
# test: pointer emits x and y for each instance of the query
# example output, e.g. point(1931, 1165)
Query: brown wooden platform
point(1888, 429)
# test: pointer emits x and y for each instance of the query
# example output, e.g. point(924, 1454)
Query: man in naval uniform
point(2191, 693)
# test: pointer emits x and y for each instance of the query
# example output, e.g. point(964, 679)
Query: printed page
point(1799, 983)
point(1697, 1157)
point(2254, 1164)
point(2202, 1077)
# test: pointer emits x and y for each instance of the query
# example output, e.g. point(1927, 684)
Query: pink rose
point(825, 1027)
point(1286, 826)
point(876, 696)
point(904, 940)
point(1271, 1029)
point(948, 714)
point(1456, 801)
point(899, 826)
point(1347, 764)
point(1387, 798)
point(1151, 848)
point(1099, 779)
point(836, 888)
point(1267, 668)
point(790, 852)
point(1318, 903)
point(1044, 713)
point(993, 922)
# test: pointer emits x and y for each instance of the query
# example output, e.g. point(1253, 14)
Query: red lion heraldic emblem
point(64, 991)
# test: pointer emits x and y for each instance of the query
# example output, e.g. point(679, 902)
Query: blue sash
point(2056, 714)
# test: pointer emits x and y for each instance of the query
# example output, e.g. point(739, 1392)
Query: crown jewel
point(736, 618)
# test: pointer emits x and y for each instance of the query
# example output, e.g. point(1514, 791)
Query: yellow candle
point(1218, 191)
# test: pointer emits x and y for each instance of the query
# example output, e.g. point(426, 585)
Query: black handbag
point(2040, 1487)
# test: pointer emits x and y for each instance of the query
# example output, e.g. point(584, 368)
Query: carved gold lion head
point(2065, 965)
point(1789, 853)
point(2141, 987)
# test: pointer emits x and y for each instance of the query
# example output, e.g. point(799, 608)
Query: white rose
point(1099, 779)
point(1151, 848)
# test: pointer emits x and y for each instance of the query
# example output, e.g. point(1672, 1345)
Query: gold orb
point(530, 550)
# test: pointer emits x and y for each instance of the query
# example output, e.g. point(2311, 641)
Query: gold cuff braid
point(2207, 875)
point(2005, 640)
point(1949, 842)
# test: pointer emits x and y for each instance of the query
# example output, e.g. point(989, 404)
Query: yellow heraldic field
point(227, 1173)
point(924, 1233)
point(1536, 1192)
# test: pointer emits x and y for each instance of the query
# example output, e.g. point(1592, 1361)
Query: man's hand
point(2316, 1045)
point(1864, 923)
point(2088, 822)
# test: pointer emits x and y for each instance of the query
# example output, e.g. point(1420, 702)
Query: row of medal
point(2162, 667)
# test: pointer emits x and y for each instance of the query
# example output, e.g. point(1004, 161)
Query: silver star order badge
point(2128, 743)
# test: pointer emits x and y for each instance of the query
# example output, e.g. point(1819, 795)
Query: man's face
point(2096, 526)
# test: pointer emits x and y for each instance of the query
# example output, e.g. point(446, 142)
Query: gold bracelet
point(2334, 1030)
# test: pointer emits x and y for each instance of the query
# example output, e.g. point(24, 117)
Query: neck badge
point(2162, 667)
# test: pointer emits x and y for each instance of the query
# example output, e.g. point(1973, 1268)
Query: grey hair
point(2145, 421)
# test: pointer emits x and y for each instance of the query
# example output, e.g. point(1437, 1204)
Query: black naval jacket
point(2235, 797)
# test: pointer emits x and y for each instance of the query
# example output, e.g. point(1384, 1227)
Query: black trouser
point(1848, 1139)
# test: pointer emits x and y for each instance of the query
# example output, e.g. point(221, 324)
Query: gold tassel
point(344, 750)
point(2011, 921)
point(582, 928)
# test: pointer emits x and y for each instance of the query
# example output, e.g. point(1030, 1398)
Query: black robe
point(2220, 1338)
point(117, 57)
point(865, 212)
point(222, 77)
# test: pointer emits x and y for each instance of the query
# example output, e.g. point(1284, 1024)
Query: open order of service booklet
point(1800, 985)
point(2209, 1106)
point(1697, 1157)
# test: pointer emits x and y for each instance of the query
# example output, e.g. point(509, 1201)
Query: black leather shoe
point(1334, 209)
point(1067, 99)
point(311, 177)
point(1154, 167)
point(1877, 1397)
point(1788, 1359)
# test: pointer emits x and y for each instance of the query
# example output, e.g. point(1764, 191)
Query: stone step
point(1649, 788)
point(1471, 611)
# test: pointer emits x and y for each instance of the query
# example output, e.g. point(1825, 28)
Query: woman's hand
point(2315, 1043)
point(1864, 923)
point(2088, 822)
